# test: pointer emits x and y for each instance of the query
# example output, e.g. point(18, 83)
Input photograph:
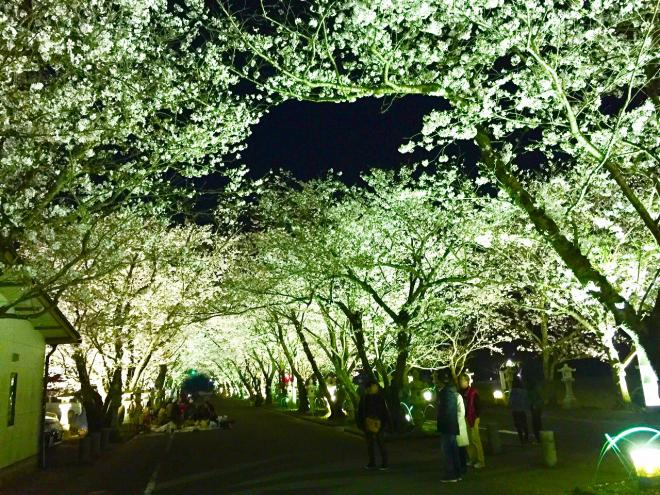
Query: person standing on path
point(462, 440)
point(536, 402)
point(373, 417)
point(519, 405)
point(448, 427)
point(472, 417)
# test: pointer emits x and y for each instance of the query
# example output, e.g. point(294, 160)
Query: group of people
point(523, 398)
point(185, 411)
point(458, 418)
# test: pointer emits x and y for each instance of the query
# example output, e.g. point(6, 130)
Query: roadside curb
point(321, 422)
point(353, 430)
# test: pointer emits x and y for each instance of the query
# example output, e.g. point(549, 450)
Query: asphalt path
point(273, 452)
point(269, 452)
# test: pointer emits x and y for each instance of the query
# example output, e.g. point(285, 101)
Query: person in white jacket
point(462, 440)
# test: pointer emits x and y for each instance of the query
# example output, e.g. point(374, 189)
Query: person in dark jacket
point(519, 405)
point(536, 401)
point(373, 417)
point(447, 426)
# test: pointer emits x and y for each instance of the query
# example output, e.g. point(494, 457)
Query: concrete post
point(494, 440)
point(85, 449)
point(549, 449)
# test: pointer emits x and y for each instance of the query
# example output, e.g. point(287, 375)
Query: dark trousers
point(374, 439)
point(452, 456)
point(463, 457)
point(520, 422)
point(536, 423)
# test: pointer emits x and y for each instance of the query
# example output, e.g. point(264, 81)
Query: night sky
point(310, 138)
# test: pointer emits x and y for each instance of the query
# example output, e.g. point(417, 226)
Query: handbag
point(372, 424)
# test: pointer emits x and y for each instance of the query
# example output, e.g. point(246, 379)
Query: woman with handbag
point(372, 418)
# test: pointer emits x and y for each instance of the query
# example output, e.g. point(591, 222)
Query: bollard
point(96, 444)
point(494, 440)
point(85, 450)
point(549, 449)
point(105, 438)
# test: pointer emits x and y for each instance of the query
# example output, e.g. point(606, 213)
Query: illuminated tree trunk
point(159, 385)
point(94, 414)
point(347, 387)
point(303, 400)
point(646, 330)
point(335, 410)
point(647, 375)
point(357, 330)
point(113, 400)
point(619, 378)
point(138, 371)
point(268, 372)
point(399, 380)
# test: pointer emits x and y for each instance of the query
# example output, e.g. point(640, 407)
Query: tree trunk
point(347, 387)
point(620, 383)
point(159, 386)
point(647, 375)
point(355, 320)
point(94, 414)
point(647, 331)
point(303, 400)
point(399, 379)
point(138, 371)
point(268, 382)
point(44, 398)
point(113, 400)
point(246, 383)
point(323, 387)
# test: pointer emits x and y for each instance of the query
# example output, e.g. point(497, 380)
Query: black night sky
point(310, 138)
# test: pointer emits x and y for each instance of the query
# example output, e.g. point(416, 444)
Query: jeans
point(374, 439)
point(463, 457)
point(452, 456)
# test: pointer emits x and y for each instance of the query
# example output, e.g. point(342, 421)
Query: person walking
point(448, 427)
point(373, 417)
point(519, 405)
point(472, 417)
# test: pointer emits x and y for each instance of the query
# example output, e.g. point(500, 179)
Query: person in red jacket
point(472, 418)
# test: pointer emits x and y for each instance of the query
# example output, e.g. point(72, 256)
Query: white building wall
point(20, 441)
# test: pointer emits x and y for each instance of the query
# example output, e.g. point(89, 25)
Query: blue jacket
point(447, 419)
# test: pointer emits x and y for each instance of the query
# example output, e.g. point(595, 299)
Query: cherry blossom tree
point(134, 320)
point(561, 84)
point(105, 106)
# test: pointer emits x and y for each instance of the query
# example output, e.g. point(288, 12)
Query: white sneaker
point(478, 465)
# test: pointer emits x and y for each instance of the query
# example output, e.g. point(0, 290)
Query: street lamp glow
point(646, 461)
point(428, 395)
point(498, 395)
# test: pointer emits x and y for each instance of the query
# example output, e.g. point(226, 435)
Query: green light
point(643, 458)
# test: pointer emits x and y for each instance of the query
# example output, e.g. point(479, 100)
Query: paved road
point(269, 452)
